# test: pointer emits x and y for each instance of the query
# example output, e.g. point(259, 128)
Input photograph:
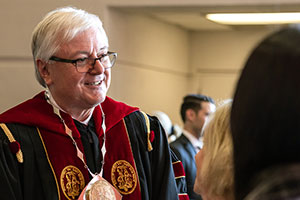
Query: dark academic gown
point(138, 161)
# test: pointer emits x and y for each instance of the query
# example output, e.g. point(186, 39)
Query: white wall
point(218, 57)
point(197, 2)
point(152, 67)
point(17, 82)
point(158, 63)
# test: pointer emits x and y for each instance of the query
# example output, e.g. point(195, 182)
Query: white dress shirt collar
point(197, 143)
point(53, 103)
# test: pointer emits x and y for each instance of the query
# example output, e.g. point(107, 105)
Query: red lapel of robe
point(119, 167)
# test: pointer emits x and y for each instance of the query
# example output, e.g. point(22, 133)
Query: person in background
point(194, 111)
point(265, 120)
point(176, 133)
point(214, 180)
point(165, 121)
point(71, 141)
point(172, 130)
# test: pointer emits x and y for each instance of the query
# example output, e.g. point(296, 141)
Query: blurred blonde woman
point(214, 179)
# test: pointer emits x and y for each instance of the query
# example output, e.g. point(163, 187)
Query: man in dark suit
point(194, 111)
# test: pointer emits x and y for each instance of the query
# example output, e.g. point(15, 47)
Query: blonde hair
point(217, 166)
point(57, 27)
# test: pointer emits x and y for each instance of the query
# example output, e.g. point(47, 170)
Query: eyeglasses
point(86, 64)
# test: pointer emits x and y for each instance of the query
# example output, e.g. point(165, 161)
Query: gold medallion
point(72, 182)
point(101, 190)
point(123, 177)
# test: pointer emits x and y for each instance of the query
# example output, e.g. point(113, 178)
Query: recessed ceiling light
point(255, 18)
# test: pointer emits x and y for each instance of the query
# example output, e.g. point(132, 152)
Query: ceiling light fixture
point(255, 18)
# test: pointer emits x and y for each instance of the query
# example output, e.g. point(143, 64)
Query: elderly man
point(55, 143)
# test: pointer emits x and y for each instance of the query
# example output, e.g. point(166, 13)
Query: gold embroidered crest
point(123, 177)
point(72, 182)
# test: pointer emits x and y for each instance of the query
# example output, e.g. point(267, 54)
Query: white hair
point(57, 27)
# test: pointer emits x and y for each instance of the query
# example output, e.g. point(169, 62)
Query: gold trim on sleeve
point(150, 148)
point(11, 139)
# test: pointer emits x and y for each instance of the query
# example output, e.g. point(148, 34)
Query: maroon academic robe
point(138, 161)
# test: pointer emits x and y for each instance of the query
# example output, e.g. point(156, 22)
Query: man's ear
point(190, 114)
point(44, 71)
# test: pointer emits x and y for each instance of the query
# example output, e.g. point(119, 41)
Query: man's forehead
point(208, 106)
point(95, 40)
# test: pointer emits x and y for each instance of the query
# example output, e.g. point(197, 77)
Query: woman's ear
point(44, 71)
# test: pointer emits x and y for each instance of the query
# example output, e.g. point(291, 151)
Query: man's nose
point(98, 67)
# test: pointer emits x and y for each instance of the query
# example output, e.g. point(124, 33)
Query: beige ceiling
point(193, 18)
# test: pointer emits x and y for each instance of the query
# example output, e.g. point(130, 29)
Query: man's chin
point(99, 101)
